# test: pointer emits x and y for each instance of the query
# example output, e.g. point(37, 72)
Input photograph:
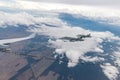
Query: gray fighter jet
point(80, 37)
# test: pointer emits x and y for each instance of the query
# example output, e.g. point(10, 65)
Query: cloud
point(15, 19)
point(101, 14)
point(76, 51)
point(23, 18)
point(116, 56)
point(83, 2)
point(110, 71)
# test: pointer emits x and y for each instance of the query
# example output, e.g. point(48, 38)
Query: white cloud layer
point(23, 18)
point(110, 71)
point(96, 13)
point(116, 56)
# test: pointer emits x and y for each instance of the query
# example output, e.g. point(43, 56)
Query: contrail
point(17, 39)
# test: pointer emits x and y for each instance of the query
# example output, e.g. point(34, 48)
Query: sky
point(113, 3)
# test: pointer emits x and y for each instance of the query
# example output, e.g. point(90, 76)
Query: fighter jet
point(4, 44)
point(80, 37)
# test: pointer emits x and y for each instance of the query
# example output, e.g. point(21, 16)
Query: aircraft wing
point(8, 41)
